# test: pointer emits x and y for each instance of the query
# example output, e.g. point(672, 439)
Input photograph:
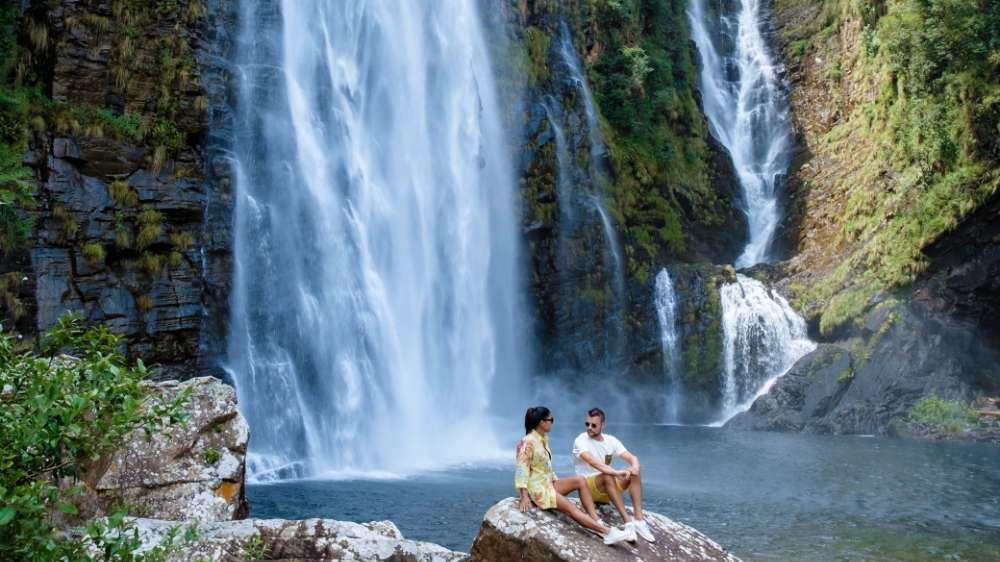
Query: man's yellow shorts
point(598, 495)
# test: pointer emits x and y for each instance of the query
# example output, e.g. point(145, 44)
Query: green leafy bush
point(945, 415)
point(57, 415)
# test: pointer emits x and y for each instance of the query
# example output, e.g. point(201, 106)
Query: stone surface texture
point(508, 535)
point(868, 384)
point(194, 470)
point(310, 540)
point(158, 295)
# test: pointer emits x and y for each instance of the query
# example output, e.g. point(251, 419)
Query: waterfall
point(762, 338)
point(665, 301)
point(374, 307)
point(747, 113)
point(598, 175)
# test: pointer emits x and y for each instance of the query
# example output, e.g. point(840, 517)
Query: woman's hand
point(525, 503)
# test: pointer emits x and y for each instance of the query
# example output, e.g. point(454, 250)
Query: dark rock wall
point(133, 200)
point(868, 384)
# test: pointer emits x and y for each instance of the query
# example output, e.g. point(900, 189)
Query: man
point(593, 452)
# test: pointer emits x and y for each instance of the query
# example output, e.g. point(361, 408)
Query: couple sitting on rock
point(596, 480)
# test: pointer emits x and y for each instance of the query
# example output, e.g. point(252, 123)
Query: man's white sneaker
point(641, 528)
point(616, 535)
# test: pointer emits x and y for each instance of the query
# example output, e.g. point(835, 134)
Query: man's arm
point(600, 466)
point(633, 462)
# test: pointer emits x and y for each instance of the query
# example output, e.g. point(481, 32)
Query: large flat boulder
point(508, 535)
point(190, 471)
point(309, 540)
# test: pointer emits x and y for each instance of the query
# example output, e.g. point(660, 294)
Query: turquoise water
point(764, 496)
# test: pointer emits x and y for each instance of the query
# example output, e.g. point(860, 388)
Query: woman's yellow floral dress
point(534, 469)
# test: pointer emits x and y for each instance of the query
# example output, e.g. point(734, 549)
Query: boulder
point(193, 470)
point(508, 535)
point(279, 539)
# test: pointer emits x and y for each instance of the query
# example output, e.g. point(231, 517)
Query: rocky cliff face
point(870, 383)
point(131, 225)
point(604, 204)
point(893, 237)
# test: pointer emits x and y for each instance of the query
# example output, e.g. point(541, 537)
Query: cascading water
point(763, 338)
point(747, 112)
point(375, 300)
point(598, 176)
point(665, 301)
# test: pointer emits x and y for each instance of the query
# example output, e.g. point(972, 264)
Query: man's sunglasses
point(588, 424)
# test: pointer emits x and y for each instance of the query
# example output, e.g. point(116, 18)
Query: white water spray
point(665, 301)
point(746, 112)
point(374, 305)
point(763, 338)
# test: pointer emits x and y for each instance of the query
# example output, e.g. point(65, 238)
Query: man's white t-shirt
point(604, 451)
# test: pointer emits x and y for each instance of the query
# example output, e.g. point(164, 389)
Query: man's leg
point(634, 487)
point(609, 486)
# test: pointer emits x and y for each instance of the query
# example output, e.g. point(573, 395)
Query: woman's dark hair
point(533, 417)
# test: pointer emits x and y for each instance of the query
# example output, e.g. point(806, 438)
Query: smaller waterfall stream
point(665, 301)
point(762, 338)
point(747, 112)
point(598, 175)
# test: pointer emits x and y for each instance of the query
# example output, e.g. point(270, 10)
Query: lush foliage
point(15, 192)
point(58, 414)
point(644, 82)
point(945, 415)
point(921, 148)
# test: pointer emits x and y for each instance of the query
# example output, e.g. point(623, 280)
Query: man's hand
point(623, 473)
point(633, 470)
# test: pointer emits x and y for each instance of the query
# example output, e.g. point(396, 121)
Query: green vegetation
point(256, 550)
point(644, 81)
point(94, 253)
point(211, 455)
point(702, 351)
point(150, 224)
point(58, 415)
point(945, 415)
point(15, 192)
point(925, 142)
point(536, 43)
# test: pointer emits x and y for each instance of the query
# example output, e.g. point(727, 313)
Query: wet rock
point(869, 383)
point(191, 471)
point(305, 541)
point(508, 535)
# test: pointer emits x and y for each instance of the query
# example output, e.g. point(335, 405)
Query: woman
point(537, 483)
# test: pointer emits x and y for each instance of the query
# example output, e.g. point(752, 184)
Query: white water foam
point(374, 310)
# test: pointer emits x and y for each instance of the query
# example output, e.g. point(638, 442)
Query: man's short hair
point(595, 412)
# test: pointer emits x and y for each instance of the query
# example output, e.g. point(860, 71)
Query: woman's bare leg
point(565, 486)
point(569, 508)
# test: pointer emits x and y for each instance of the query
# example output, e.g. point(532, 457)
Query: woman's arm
point(522, 472)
